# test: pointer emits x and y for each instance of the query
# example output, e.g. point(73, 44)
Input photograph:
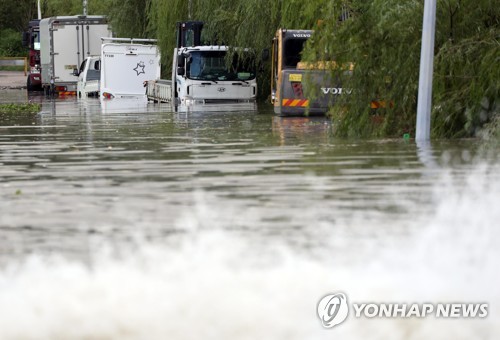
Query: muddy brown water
point(244, 203)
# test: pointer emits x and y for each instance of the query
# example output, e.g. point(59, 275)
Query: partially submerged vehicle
point(121, 70)
point(202, 74)
point(292, 79)
point(65, 42)
point(127, 65)
point(31, 40)
point(89, 77)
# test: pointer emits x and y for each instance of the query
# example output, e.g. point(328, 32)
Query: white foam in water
point(214, 287)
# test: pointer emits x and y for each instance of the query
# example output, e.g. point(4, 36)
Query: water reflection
point(426, 154)
point(300, 129)
point(110, 165)
point(14, 96)
point(216, 107)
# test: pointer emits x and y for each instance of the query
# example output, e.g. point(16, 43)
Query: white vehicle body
point(205, 77)
point(64, 43)
point(203, 73)
point(126, 65)
point(89, 77)
point(124, 105)
point(159, 91)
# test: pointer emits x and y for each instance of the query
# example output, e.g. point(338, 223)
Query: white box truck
point(66, 41)
point(126, 66)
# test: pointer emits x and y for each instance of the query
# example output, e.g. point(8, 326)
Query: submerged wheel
point(29, 85)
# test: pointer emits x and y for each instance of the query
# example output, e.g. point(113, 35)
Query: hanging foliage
point(382, 39)
point(129, 18)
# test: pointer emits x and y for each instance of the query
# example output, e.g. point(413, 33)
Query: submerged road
point(139, 221)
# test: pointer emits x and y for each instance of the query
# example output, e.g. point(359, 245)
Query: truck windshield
point(211, 65)
point(36, 40)
point(292, 52)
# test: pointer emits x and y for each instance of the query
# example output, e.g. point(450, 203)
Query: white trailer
point(127, 65)
point(65, 42)
point(159, 91)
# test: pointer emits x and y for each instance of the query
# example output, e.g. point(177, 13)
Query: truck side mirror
point(181, 71)
point(75, 72)
point(180, 60)
point(97, 65)
point(265, 54)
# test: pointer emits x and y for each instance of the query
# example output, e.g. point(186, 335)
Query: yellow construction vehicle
point(290, 77)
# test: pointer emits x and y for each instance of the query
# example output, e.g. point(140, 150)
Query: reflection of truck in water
point(290, 77)
point(64, 43)
point(202, 73)
point(31, 40)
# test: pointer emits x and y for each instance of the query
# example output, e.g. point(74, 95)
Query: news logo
point(333, 309)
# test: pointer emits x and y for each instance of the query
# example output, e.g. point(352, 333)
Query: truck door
point(64, 48)
point(274, 69)
point(93, 35)
point(81, 77)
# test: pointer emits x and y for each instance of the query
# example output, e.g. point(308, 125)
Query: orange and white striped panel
point(295, 102)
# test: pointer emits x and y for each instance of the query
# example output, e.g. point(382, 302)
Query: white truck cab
point(89, 77)
point(204, 73)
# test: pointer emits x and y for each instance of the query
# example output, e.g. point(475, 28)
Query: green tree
point(383, 39)
point(130, 18)
point(52, 8)
point(14, 17)
point(16, 14)
point(10, 43)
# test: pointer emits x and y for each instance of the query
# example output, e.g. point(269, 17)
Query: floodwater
point(129, 220)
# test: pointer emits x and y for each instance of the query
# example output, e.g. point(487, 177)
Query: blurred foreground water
point(128, 220)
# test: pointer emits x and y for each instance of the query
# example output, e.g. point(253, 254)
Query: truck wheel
point(46, 90)
point(29, 85)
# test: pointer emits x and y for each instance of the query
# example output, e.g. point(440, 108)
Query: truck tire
point(29, 85)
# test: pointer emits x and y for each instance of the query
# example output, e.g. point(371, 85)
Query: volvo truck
point(292, 79)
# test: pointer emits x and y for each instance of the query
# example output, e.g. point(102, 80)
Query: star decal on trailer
point(140, 68)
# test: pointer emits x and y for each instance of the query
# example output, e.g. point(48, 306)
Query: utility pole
point(426, 71)
point(84, 8)
point(39, 11)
